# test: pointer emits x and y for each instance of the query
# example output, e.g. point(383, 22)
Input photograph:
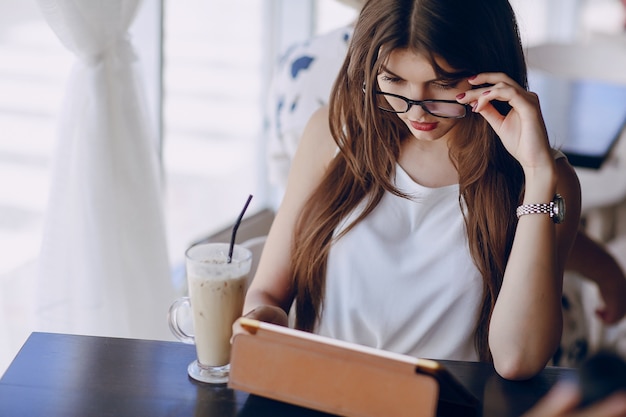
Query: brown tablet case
point(331, 376)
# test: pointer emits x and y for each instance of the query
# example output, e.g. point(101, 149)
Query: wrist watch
point(555, 208)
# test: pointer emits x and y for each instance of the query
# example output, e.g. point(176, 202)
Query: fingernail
point(474, 106)
point(486, 92)
point(472, 77)
point(460, 96)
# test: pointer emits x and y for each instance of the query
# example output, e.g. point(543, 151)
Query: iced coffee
point(217, 289)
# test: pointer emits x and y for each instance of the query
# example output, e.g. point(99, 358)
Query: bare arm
point(270, 295)
point(526, 322)
point(527, 319)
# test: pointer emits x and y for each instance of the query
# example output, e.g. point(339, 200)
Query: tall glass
point(216, 294)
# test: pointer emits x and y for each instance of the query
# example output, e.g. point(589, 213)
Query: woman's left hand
point(522, 130)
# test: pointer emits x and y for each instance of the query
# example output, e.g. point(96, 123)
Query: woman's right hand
point(522, 130)
point(266, 313)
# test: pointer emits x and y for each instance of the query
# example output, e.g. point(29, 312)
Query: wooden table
point(86, 376)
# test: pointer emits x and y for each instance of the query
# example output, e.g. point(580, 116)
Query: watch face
point(558, 209)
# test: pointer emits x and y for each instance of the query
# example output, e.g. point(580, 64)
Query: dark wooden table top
point(71, 375)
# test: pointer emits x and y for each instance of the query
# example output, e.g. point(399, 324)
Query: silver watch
point(555, 208)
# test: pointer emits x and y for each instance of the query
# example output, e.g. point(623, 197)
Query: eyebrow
point(460, 76)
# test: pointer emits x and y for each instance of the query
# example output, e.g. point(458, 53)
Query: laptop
point(584, 117)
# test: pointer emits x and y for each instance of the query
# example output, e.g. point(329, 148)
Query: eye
point(446, 84)
point(389, 79)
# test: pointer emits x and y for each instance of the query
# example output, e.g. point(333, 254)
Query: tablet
point(342, 378)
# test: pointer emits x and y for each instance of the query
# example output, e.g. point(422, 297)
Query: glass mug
point(216, 295)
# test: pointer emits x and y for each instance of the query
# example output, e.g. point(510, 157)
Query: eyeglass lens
point(396, 104)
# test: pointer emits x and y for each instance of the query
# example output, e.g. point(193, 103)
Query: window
point(212, 118)
point(33, 69)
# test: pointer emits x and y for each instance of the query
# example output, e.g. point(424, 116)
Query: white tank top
point(403, 279)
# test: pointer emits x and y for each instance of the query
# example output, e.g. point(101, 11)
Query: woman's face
point(411, 75)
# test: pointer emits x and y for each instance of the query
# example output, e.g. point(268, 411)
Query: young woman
point(424, 208)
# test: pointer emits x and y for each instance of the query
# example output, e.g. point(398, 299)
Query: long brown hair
point(472, 36)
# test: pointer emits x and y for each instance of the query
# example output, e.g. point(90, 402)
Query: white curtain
point(104, 265)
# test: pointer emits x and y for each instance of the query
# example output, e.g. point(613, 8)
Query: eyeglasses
point(394, 103)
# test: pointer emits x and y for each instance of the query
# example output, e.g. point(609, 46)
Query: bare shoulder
point(317, 139)
point(316, 149)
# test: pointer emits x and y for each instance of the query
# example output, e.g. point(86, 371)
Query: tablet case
point(337, 377)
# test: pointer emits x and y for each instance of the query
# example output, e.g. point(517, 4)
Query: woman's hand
point(266, 313)
point(522, 130)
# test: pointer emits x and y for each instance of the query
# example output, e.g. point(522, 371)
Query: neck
point(428, 163)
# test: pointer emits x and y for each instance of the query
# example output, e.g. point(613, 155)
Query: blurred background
point(207, 65)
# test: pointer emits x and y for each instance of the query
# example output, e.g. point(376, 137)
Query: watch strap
point(535, 208)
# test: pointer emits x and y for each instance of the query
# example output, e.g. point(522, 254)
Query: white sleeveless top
point(403, 279)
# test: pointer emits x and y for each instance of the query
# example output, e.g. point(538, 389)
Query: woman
point(398, 229)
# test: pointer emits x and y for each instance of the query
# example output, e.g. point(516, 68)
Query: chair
point(251, 234)
point(253, 226)
point(255, 245)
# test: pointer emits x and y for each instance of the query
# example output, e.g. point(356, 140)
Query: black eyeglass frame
point(410, 103)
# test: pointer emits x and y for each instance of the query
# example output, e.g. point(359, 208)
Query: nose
point(415, 112)
point(417, 94)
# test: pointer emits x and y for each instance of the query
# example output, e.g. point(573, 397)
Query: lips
point(423, 126)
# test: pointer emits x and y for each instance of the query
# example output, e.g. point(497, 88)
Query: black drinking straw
point(235, 227)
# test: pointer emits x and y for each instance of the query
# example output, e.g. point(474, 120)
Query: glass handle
point(172, 319)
